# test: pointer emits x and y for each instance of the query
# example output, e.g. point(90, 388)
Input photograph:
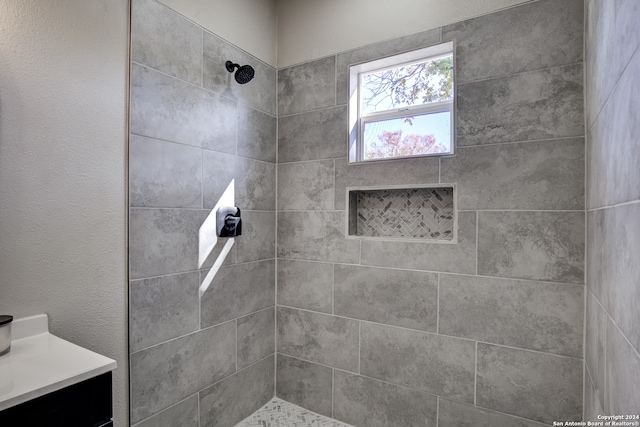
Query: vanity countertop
point(40, 363)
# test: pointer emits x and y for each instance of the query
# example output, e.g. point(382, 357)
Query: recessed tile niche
point(425, 213)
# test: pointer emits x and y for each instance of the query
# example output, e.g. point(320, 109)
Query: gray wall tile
point(257, 134)
point(182, 414)
point(308, 86)
point(314, 135)
point(535, 175)
point(532, 385)
point(447, 257)
point(167, 373)
point(541, 104)
point(510, 41)
point(539, 316)
point(598, 264)
point(256, 337)
point(594, 344)
point(408, 172)
point(613, 152)
point(612, 36)
point(456, 414)
point(365, 402)
point(307, 285)
point(592, 403)
point(376, 51)
point(164, 174)
point(166, 108)
point(532, 245)
point(254, 181)
point(238, 290)
point(259, 93)
point(163, 308)
point(305, 384)
point(316, 236)
point(394, 297)
point(622, 377)
point(320, 338)
point(163, 241)
point(164, 40)
point(258, 239)
point(235, 398)
point(306, 185)
point(426, 362)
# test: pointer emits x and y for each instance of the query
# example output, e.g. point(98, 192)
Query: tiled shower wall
point(485, 331)
point(612, 342)
point(198, 361)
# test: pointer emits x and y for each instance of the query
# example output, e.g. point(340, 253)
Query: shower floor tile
point(278, 413)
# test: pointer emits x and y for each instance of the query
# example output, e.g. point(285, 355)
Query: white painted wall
point(248, 24)
point(311, 29)
point(63, 103)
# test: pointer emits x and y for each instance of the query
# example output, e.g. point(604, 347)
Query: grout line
point(334, 184)
point(437, 410)
point(236, 344)
point(523, 141)
point(359, 345)
point(477, 235)
point(199, 417)
point(438, 306)
point(475, 377)
point(333, 289)
point(333, 390)
point(524, 210)
point(633, 202)
point(314, 110)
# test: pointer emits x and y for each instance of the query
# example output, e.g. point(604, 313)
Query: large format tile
point(457, 257)
point(539, 316)
point(376, 51)
point(613, 152)
point(427, 362)
point(163, 241)
point(235, 398)
point(259, 93)
point(182, 414)
point(306, 185)
point(314, 135)
point(256, 337)
point(164, 40)
point(254, 181)
point(304, 284)
point(594, 344)
point(365, 402)
point(532, 245)
point(535, 175)
point(407, 172)
point(304, 384)
point(238, 290)
point(622, 375)
point(320, 338)
point(162, 308)
point(167, 373)
point(163, 174)
point(612, 35)
point(257, 134)
point(592, 403)
point(535, 105)
point(308, 86)
point(539, 35)
point(532, 385)
point(456, 414)
point(598, 253)
point(166, 108)
point(316, 236)
point(382, 295)
point(258, 239)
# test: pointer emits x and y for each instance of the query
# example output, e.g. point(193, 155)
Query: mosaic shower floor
point(278, 413)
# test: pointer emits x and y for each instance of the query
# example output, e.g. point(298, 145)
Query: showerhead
point(243, 75)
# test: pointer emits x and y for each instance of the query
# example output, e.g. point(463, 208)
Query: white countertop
point(40, 363)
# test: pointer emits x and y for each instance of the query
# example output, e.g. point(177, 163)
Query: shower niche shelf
point(424, 213)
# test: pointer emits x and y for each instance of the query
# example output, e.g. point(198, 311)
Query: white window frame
point(357, 119)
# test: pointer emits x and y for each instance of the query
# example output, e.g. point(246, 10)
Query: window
point(402, 106)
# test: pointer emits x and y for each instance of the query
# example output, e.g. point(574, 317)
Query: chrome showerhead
point(243, 75)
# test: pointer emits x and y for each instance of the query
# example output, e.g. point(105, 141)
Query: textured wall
point(379, 333)
point(63, 89)
point(193, 130)
point(612, 342)
point(311, 29)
